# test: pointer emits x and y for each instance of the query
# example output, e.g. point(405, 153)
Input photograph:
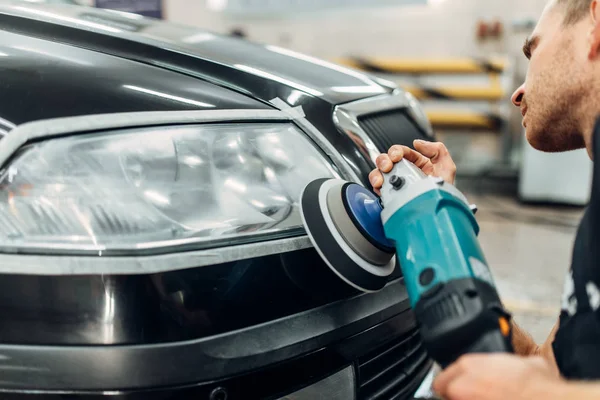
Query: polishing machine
point(427, 227)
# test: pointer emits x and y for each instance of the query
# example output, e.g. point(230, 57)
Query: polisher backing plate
point(356, 235)
point(343, 260)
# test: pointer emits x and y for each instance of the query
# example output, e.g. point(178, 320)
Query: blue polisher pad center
point(365, 209)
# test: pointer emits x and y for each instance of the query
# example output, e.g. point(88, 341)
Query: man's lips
point(523, 113)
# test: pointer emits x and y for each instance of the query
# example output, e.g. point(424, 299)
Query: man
point(560, 103)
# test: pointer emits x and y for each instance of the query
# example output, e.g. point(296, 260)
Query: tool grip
point(463, 316)
point(490, 342)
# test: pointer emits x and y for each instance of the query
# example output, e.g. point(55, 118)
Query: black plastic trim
point(129, 367)
point(274, 381)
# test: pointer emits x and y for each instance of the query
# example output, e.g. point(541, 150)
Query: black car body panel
point(42, 79)
point(207, 359)
point(173, 306)
point(281, 67)
point(258, 327)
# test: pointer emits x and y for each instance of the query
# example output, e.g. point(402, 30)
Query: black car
point(150, 240)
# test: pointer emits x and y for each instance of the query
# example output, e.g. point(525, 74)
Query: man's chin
point(542, 142)
point(545, 148)
point(548, 144)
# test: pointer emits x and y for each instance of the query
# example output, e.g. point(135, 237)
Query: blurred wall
point(444, 28)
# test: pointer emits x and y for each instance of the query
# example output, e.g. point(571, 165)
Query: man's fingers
point(384, 164)
point(376, 179)
point(539, 362)
point(416, 158)
point(396, 153)
point(461, 388)
point(447, 376)
point(433, 150)
point(439, 156)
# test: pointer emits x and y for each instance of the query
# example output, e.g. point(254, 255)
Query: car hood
point(307, 75)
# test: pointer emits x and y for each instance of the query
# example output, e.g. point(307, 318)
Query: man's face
point(552, 93)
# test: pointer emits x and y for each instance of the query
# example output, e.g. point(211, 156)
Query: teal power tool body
point(427, 227)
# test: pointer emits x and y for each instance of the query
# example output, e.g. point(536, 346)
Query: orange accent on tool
point(504, 326)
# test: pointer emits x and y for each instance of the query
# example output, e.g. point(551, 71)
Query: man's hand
point(524, 345)
point(432, 158)
point(498, 377)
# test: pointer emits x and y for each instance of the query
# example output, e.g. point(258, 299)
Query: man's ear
point(594, 38)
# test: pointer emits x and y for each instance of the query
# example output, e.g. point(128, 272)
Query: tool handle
point(463, 316)
point(491, 342)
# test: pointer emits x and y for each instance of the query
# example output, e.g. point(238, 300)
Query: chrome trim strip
point(345, 117)
point(56, 265)
point(118, 368)
point(56, 127)
point(425, 390)
point(325, 145)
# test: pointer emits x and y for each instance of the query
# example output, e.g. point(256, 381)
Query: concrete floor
point(529, 251)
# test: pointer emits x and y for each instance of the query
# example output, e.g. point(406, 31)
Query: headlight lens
point(339, 386)
point(148, 188)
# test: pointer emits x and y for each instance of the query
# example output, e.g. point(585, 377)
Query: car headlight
point(418, 114)
point(339, 386)
point(137, 189)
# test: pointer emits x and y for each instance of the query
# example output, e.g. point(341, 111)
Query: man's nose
point(517, 96)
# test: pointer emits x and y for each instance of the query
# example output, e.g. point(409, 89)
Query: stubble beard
point(563, 102)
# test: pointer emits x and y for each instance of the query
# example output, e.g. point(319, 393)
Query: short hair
point(575, 10)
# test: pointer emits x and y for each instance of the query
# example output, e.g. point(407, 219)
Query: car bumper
point(375, 334)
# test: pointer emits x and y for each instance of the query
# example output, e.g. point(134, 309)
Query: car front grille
point(393, 371)
point(390, 127)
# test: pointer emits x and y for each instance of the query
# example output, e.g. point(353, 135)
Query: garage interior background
point(524, 243)
point(425, 31)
